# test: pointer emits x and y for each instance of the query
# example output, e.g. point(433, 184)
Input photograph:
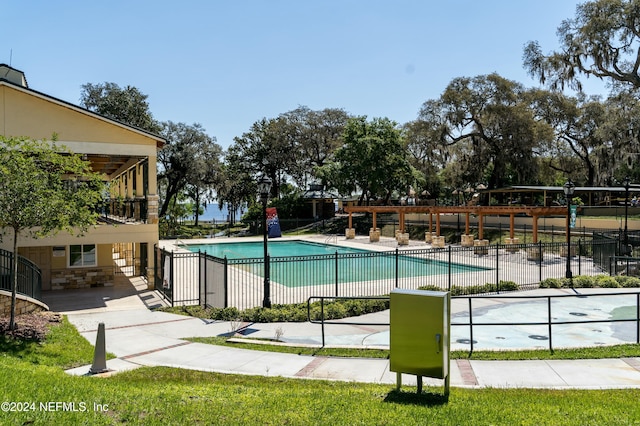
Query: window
point(82, 255)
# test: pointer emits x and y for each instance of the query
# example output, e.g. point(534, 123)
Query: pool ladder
point(332, 238)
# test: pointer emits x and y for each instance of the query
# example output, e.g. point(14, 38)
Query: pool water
point(250, 250)
point(318, 264)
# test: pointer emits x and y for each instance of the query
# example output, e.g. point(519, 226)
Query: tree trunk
point(171, 192)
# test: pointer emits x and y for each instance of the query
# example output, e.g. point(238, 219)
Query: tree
point(373, 159)
point(575, 122)
point(602, 41)
point(490, 129)
point(315, 136)
point(44, 189)
point(236, 187)
point(266, 149)
point(617, 155)
point(127, 105)
point(190, 160)
point(426, 152)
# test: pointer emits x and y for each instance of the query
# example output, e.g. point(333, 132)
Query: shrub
point(628, 282)
point(227, 314)
point(334, 310)
point(430, 287)
point(196, 311)
point(584, 281)
point(508, 286)
point(353, 308)
point(605, 281)
point(551, 283)
point(457, 290)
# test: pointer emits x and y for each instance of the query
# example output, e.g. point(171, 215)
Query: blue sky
point(227, 64)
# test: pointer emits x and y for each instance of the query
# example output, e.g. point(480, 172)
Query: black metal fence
point(553, 313)
point(197, 278)
point(29, 276)
point(624, 265)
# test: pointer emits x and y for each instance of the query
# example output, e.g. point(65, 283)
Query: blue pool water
point(250, 250)
point(296, 263)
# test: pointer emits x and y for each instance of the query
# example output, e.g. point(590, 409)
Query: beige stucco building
point(125, 236)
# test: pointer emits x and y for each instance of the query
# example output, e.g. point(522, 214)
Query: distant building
point(319, 203)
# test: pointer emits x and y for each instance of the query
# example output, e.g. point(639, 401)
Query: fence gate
point(213, 279)
point(125, 259)
point(178, 277)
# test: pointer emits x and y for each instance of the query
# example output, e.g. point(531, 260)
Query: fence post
point(611, 265)
point(322, 318)
point(396, 267)
point(202, 283)
point(336, 261)
point(226, 283)
point(579, 257)
point(637, 317)
point(171, 282)
point(449, 267)
point(498, 268)
point(541, 255)
point(549, 320)
point(470, 324)
point(155, 266)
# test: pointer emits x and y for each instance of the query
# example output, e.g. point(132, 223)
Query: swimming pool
point(296, 263)
point(255, 249)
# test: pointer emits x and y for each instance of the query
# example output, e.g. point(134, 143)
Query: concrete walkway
point(141, 337)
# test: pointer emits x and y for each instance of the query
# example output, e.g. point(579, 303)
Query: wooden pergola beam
point(535, 212)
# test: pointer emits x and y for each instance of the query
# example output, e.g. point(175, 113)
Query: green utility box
point(419, 334)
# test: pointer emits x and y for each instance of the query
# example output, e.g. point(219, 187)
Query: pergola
point(534, 211)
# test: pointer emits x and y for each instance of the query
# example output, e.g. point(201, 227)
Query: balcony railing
point(124, 210)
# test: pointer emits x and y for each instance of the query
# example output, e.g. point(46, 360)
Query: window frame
point(83, 254)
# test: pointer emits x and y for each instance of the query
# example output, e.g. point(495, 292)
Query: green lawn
point(599, 352)
point(34, 380)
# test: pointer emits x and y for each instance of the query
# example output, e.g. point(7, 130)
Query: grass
point(600, 352)
point(161, 396)
point(54, 351)
point(168, 396)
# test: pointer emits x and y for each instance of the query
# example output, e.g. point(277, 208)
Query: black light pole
point(626, 183)
point(568, 188)
point(264, 187)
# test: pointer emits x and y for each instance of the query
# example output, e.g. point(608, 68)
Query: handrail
point(29, 275)
point(550, 322)
point(322, 320)
point(332, 237)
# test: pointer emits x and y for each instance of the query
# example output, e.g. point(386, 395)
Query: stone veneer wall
point(24, 304)
point(153, 204)
point(82, 277)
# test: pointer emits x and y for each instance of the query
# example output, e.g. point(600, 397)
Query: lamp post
point(568, 189)
point(264, 187)
point(626, 183)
